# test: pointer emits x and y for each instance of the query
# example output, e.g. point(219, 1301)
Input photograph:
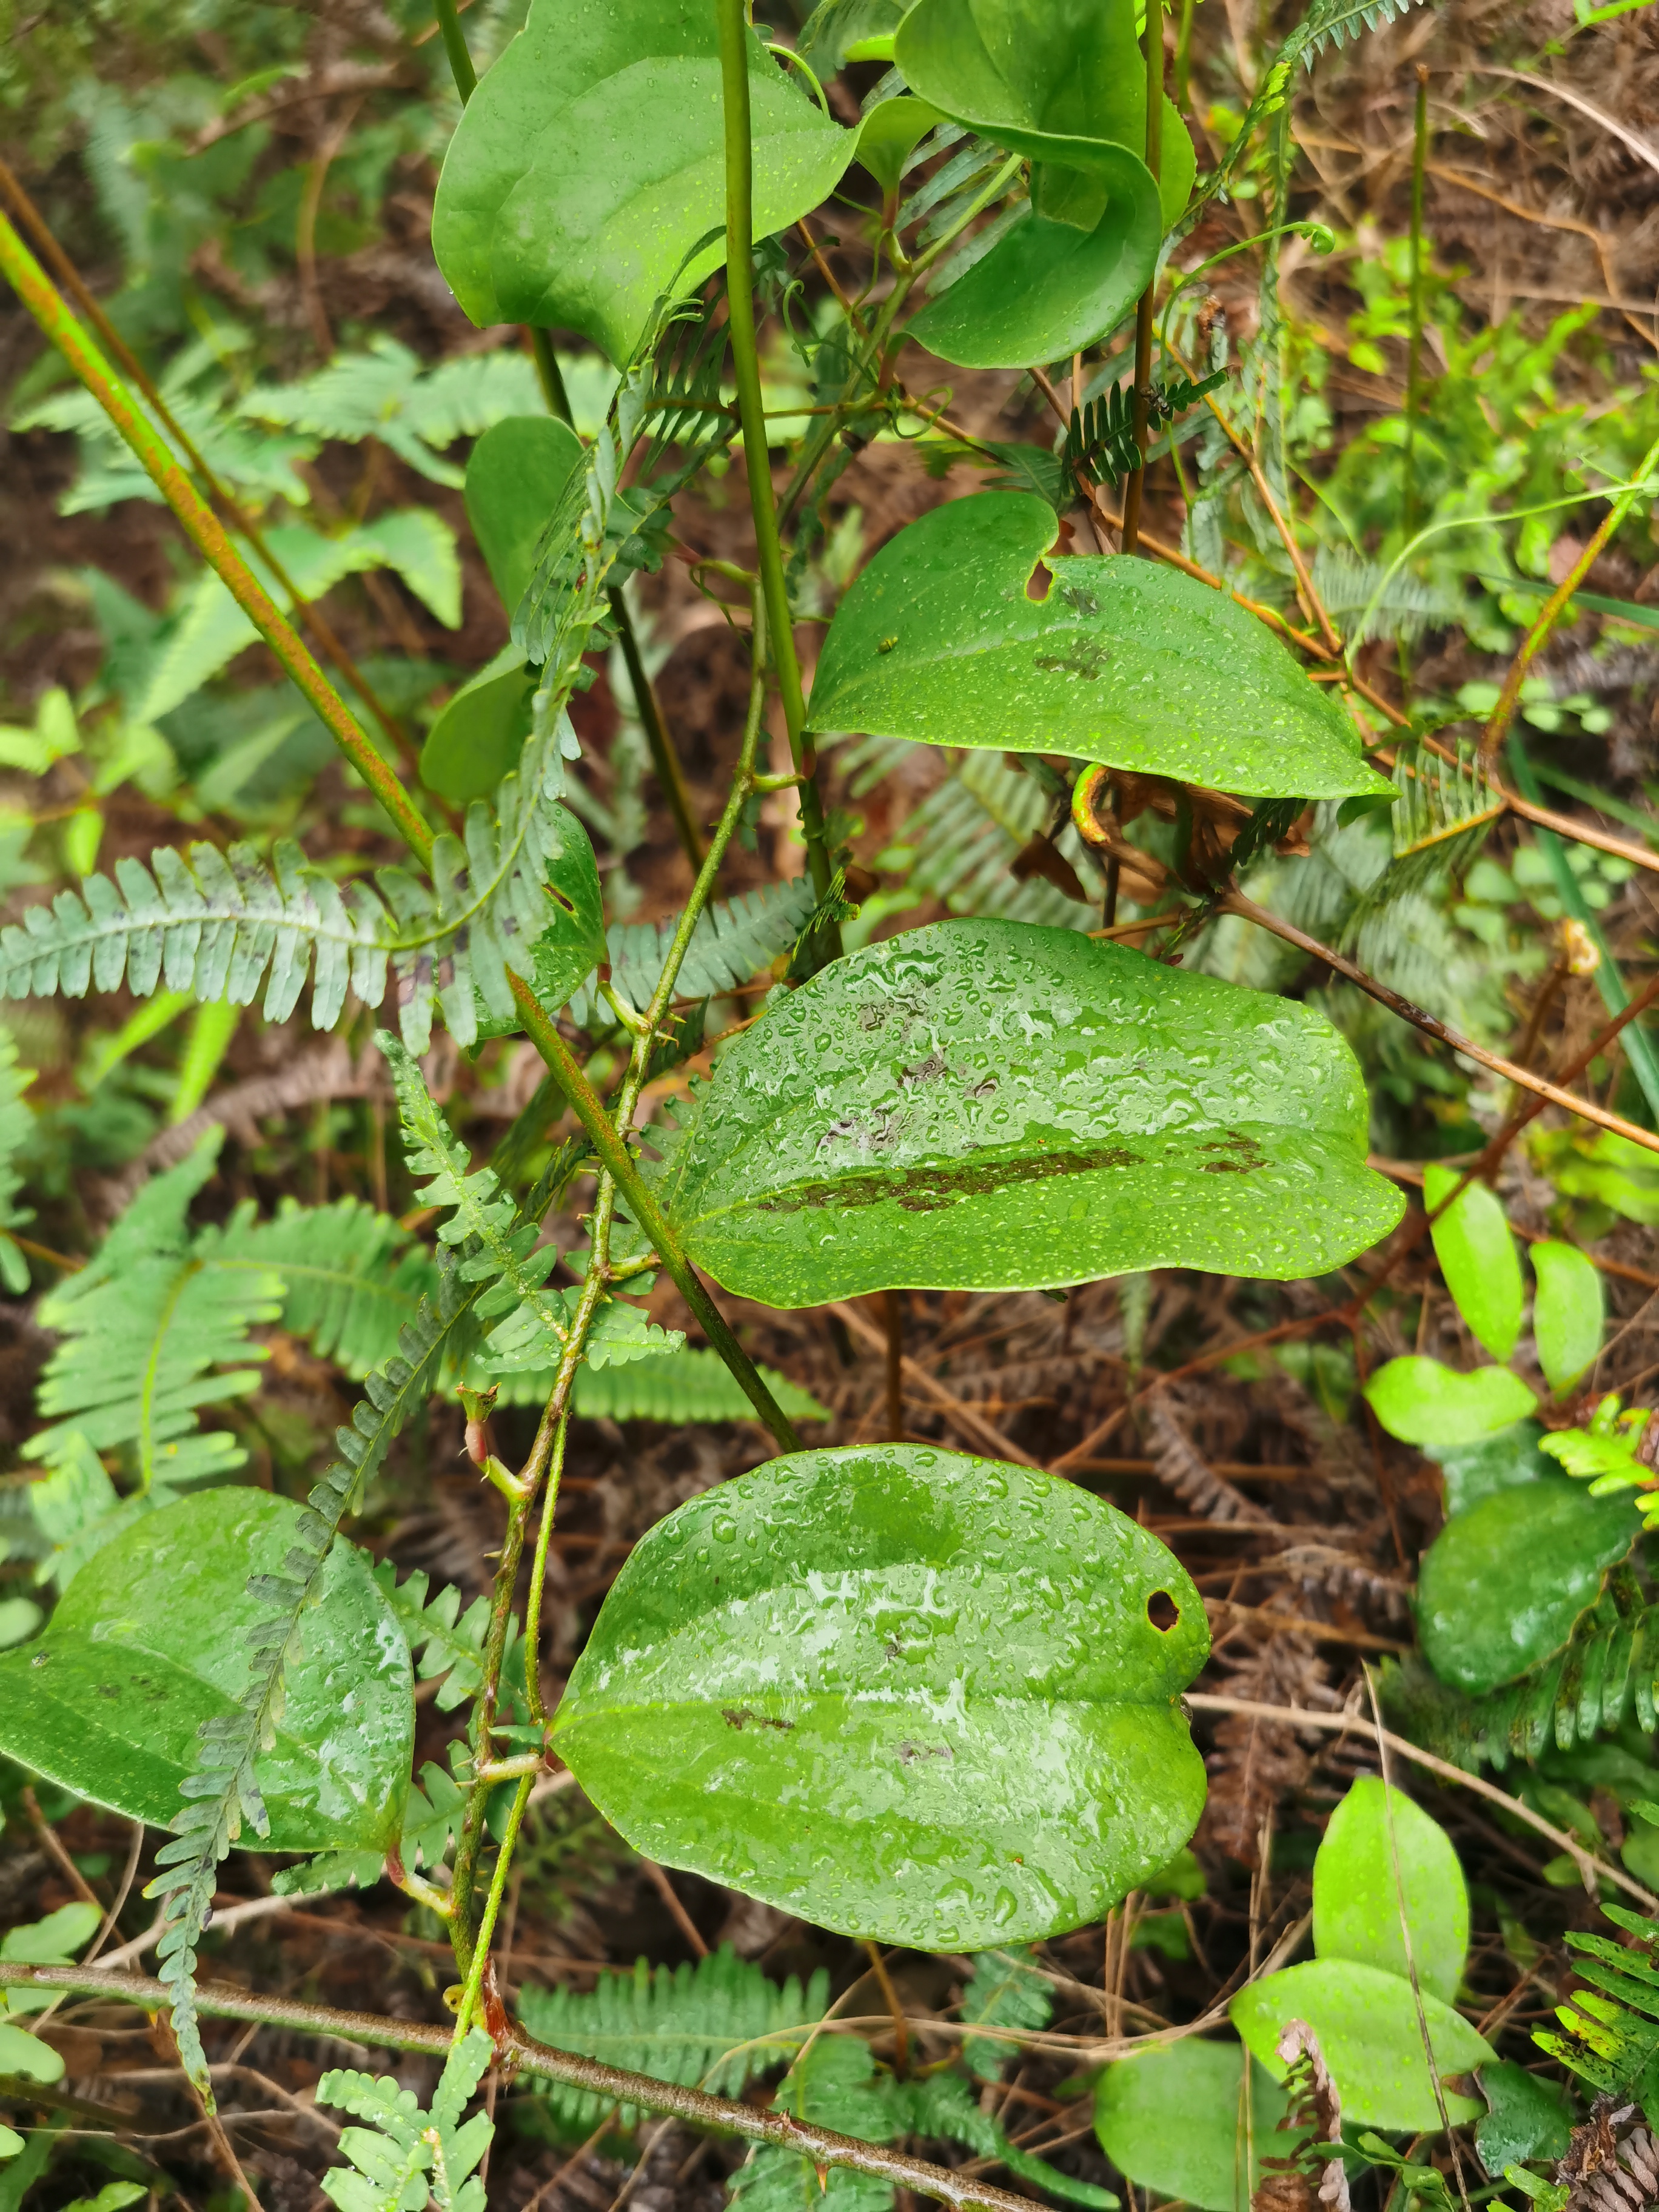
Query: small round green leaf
point(1478, 1258)
point(1368, 2028)
point(25, 2054)
point(904, 1694)
point(1356, 1896)
point(1502, 1585)
point(1528, 2119)
point(1123, 661)
point(1168, 2118)
point(986, 1105)
point(588, 171)
point(1566, 1313)
point(1422, 1402)
point(150, 1641)
point(515, 477)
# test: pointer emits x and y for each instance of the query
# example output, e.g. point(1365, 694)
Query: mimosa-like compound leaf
point(1123, 661)
point(588, 172)
point(925, 1698)
point(990, 1105)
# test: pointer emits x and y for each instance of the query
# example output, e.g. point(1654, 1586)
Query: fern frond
point(216, 925)
point(1442, 806)
point(1334, 22)
point(714, 2026)
point(1609, 1666)
point(78, 1509)
point(352, 1278)
point(149, 1333)
point(223, 1794)
point(1613, 2026)
point(945, 2107)
point(834, 2084)
point(1368, 600)
point(1398, 928)
point(16, 1124)
point(963, 837)
point(442, 1639)
point(1003, 1991)
point(686, 1384)
point(408, 2159)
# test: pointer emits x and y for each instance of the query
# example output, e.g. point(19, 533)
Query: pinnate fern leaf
point(690, 1385)
point(217, 925)
point(352, 1277)
point(406, 2159)
point(735, 939)
point(150, 1331)
point(1612, 2027)
point(1004, 1990)
point(715, 2026)
point(222, 1797)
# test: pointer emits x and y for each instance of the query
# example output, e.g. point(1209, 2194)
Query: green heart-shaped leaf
point(1367, 2025)
point(890, 133)
point(515, 478)
point(1373, 1848)
point(984, 1105)
point(1502, 1585)
point(1423, 1402)
point(150, 1641)
point(1168, 2118)
point(1123, 662)
point(480, 733)
point(1045, 289)
point(904, 1694)
point(1059, 81)
point(588, 170)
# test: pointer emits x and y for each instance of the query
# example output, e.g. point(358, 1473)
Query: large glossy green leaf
point(1566, 1313)
point(1169, 2119)
point(1499, 1462)
point(1123, 662)
point(589, 165)
point(984, 1105)
point(150, 1641)
point(1478, 1258)
point(515, 477)
point(1501, 1585)
point(1374, 1848)
point(1368, 2029)
point(902, 1693)
point(1046, 289)
point(1423, 1402)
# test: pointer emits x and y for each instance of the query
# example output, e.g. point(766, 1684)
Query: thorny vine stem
point(745, 364)
point(546, 1460)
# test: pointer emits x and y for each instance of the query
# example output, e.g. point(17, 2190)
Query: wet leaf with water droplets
point(590, 163)
point(1123, 661)
point(990, 1105)
point(902, 1693)
point(150, 1640)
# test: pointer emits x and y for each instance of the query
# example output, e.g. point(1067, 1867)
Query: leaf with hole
point(1168, 2118)
point(984, 1105)
point(1423, 1402)
point(907, 1695)
point(149, 1642)
point(1502, 1585)
point(1374, 1849)
point(1123, 661)
point(1367, 2024)
point(1566, 1313)
point(1477, 1256)
point(588, 173)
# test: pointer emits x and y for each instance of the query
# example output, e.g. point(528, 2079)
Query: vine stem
point(51, 311)
point(746, 364)
point(721, 2115)
point(1556, 606)
point(1414, 346)
point(1134, 490)
point(45, 304)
